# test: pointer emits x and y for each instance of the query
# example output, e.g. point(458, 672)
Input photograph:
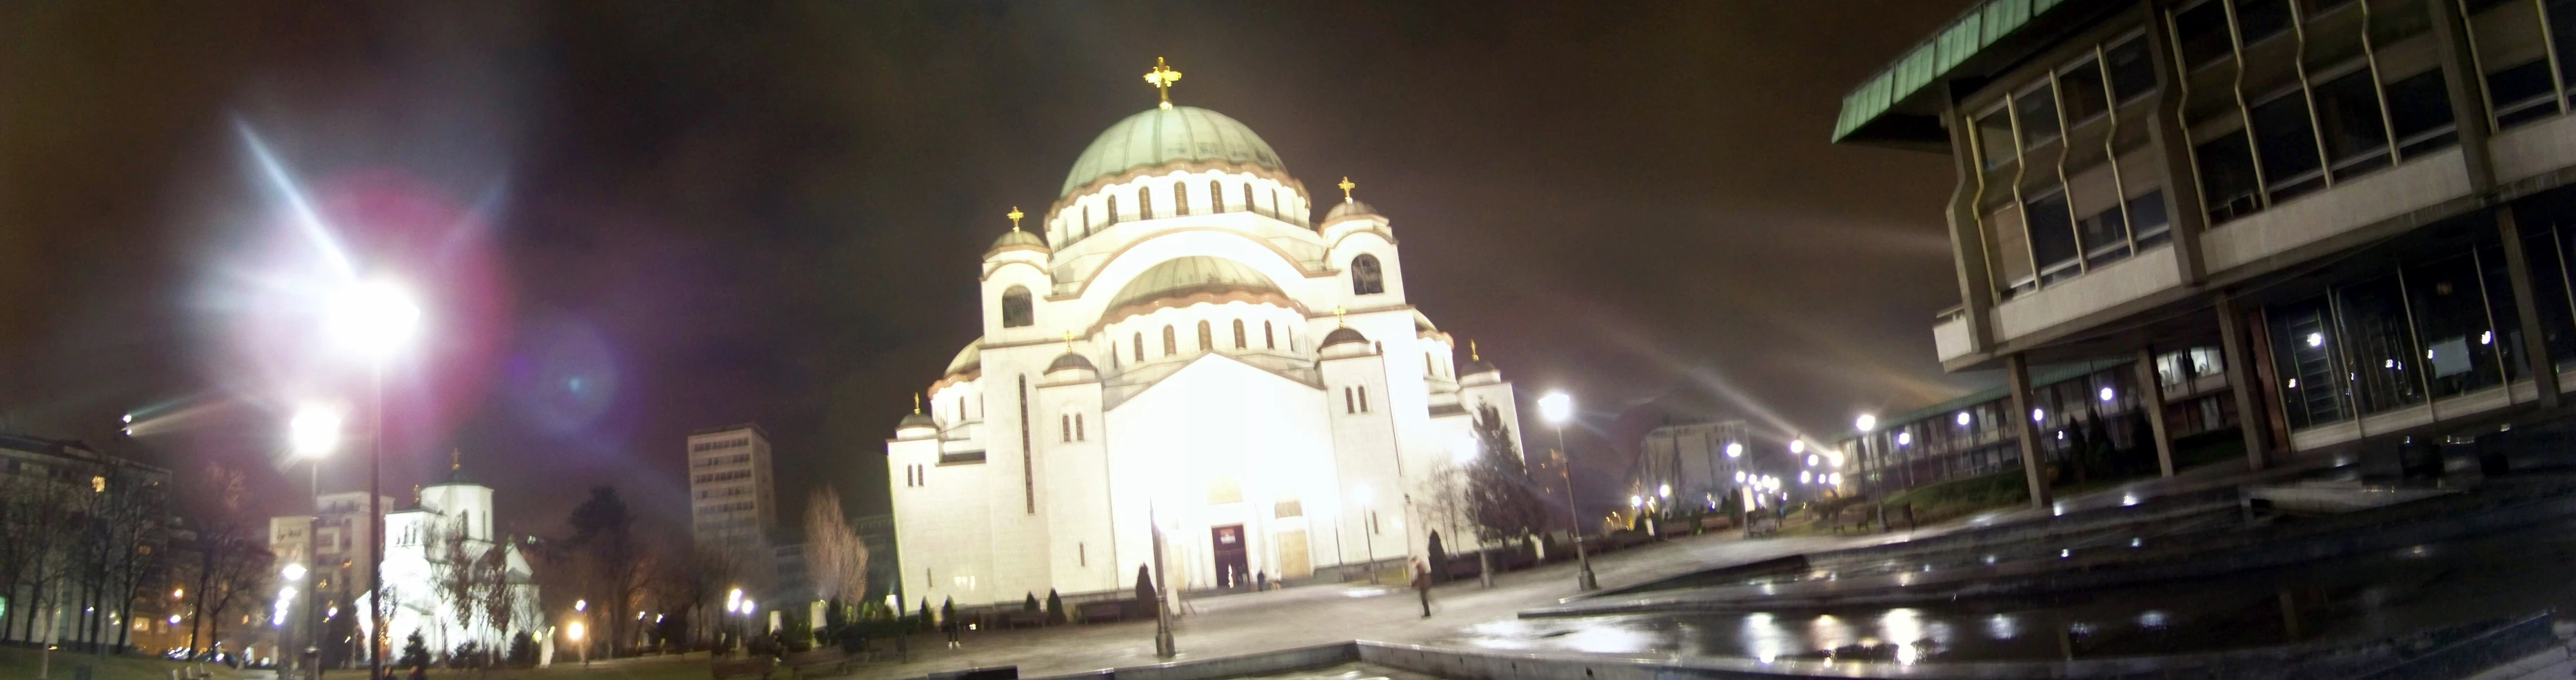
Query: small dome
point(1349, 207)
point(1195, 274)
point(1475, 366)
point(969, 359)
point(1159, 135)
point(1071, 361)
point(1018, 240)
point(1343, 335)
point(916, 420)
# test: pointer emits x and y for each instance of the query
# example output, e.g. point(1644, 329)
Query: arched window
point(1366, 279)
point(1363, 398)
point(1140, 345)
point(1086, 221)
point(1247, 198)
point(1268, 340)
point(1180, 199)
point(1111, 213)
point(1078, 434)
point(1216, 196)
point(1144, 203)
point(1347, 405)
point(1016, 311)
point(1064, 432)
point(1171, 342)
point(1238, 334)
point(1207, 340)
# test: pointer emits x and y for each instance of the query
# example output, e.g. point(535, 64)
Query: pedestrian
point(956, 630)
point(1422, 584)
point(1261, 581)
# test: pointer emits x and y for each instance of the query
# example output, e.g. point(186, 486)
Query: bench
point(816, 661)
point(757, 667)
point(1025, 619)
point(1856, 518)
point(1103, 610)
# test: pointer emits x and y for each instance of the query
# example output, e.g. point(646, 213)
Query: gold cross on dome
point(1471, 352)
point(1068, 342)
point(1162, 78)
point(1337, 316)
point(1015, 216)
point(916, 402)
point(1346, 186)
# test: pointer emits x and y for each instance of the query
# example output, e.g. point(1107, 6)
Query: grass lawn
point(20, 662)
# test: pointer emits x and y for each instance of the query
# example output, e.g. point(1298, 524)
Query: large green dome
point(1159, 135)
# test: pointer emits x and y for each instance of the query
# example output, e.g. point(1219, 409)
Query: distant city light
point(1635, 501)
point(1963, 418)
point(2039, 415)
point(1734, 450)
point(1665, 490)
point(1813, 461)
point(1904, 438)
point(2316, 339)
point(1865, 422)
point(580, 605)
point(1803, 477)
point(1797, 446)
point(2106, 394)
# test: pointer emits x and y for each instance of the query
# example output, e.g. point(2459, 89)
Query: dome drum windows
point(1207, 338)
point(1171, 341)
point(1180, 199)
point(1238, 334)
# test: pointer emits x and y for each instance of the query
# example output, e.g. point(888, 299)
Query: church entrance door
point(1233, 568)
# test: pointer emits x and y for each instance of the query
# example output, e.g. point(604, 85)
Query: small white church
point(1177, 343)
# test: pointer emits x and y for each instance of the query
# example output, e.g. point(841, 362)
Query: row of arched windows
point(1207, 339)
point(1072, 429)
point(1180, 204)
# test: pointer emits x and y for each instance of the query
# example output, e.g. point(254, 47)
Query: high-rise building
point(731, 502)
point(1689, 465)
point(2363, 204)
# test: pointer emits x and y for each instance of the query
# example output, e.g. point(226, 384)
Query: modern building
point(334, 554)
point(1691, 465)
point(2359, 202)
point(2079, 405)
point(1176, 345)
point(732, 502)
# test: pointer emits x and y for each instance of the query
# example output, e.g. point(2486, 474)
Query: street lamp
point(374, 319)
point(1557, 407)
point(312, 434)
point(574, 631)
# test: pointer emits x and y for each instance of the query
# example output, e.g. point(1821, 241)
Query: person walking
point(1422, 585)
point(956, 629)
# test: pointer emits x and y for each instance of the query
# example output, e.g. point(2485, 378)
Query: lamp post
point(1164, 646)
point(1558, 408)
point(375, 319)
point(312, 434)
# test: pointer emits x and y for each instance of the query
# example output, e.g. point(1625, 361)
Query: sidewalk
point(1234, 624)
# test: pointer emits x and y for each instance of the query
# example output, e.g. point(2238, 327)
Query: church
point(1176, 343)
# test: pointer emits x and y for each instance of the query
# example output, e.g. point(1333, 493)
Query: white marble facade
point(1175, 341)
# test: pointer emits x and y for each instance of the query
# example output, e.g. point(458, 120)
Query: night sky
point(634, 220)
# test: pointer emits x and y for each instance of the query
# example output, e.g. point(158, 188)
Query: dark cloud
point(723, 212)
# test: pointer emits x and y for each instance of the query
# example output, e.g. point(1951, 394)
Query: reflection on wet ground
point(2493, 576)
point(1348, 671)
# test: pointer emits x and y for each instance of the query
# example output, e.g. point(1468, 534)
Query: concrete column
point(2240, 378)
point(1967, 239)
point(2526, 308)
point(2151, 396)
point(2017, 371)
point(2172, 143)
point(2465, 87)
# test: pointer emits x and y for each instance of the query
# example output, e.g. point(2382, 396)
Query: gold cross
point(455, 459)
point(1015, 216)
point(1471, 352)
point(916, 402)
point(1162, 78)
point(1337, 316)
point(1068, 342)
point(1346, 186)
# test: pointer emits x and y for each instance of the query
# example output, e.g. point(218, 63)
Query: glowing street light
point(1558, 407)
point(1664, 490)
point(1735, 449)
point(373, 318)
point(1797, 446)
point(314, 431)
point(581, 605)
point(1865, 423)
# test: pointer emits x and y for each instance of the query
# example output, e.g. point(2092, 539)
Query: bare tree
point(835, 559)
point(611, 564)
point(232, 550)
